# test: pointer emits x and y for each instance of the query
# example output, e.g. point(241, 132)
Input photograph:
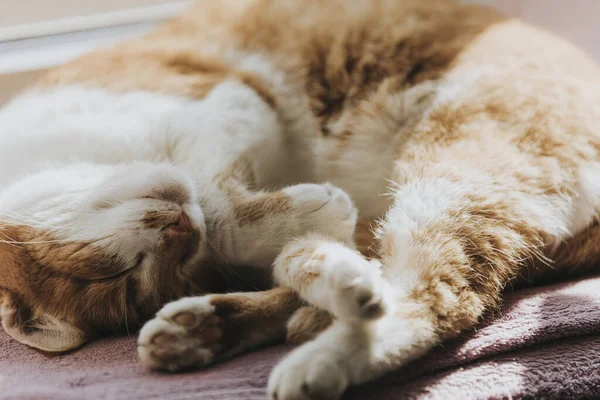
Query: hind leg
point(448, 247)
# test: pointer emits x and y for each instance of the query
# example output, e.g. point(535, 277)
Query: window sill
point(28, 50)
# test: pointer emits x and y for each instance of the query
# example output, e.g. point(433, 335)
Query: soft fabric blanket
point(545, 343)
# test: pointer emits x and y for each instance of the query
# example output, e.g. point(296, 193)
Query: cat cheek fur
point(110, 252)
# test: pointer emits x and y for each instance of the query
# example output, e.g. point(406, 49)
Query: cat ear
point(42, 332)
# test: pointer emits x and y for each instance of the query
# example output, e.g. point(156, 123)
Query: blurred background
point(38, 34)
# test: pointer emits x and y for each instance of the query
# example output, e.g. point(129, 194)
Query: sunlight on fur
point(365, 177)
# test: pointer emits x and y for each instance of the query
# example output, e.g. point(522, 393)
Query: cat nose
point(181, 226)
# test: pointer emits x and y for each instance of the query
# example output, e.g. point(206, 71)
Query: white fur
point(334, 277)
point(315, 208)
point(72, 124)
point(364, 167)
point(86, 164)
point(352, 351)
point(349, 354)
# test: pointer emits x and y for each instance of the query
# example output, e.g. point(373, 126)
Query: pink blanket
point(544, 344)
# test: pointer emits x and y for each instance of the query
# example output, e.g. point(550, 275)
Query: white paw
point(356, 288)
point(308, 373)
point(324, 209)
point(184, 334)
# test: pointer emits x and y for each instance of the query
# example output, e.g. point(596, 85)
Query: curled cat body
point(259, 137)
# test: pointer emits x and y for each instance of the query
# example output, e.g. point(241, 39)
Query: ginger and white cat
point(137, 174)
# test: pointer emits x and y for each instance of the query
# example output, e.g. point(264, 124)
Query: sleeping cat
point(467, 142)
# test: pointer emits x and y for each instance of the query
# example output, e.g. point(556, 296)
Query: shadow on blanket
point(545, 343)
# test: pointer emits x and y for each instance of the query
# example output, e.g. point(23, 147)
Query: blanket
point(544, 343)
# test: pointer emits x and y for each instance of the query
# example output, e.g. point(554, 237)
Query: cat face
point(88, 248)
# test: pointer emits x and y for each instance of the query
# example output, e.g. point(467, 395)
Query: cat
point(394, 164)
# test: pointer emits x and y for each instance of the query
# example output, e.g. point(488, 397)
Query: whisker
point(126, 310)
point(32, 219)
point(10, 242)
point(138, 323)
point(40, 242)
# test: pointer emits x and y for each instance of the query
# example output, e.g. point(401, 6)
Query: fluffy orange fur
point(499, 112)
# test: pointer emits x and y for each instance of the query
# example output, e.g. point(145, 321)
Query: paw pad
point(186, 319)
point(163, 339)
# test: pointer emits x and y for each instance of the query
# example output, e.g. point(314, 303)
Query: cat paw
point(334, 277)
point(356, 287)
point(184, 334)
point(308, 373)
point(324, 209)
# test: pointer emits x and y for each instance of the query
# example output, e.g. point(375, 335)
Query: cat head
point(86, 249)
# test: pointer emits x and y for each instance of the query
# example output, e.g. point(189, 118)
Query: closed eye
point(139, 261)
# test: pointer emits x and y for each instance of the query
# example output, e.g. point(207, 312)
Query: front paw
point(184, 334)
point(308, 373)
point(324, 209)
point(197, 331)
